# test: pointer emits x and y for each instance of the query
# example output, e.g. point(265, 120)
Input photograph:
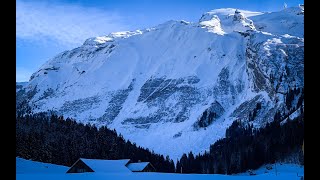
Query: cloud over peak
point(67, 24)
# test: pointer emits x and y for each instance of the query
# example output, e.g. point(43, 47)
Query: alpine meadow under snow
point(176, 87)
point(27, 169)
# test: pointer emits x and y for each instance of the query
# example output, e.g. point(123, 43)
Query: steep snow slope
point(289, 21)
point(175, 87)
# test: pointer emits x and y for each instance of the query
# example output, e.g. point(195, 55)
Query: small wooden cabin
point(99, 165)
point(141, 167)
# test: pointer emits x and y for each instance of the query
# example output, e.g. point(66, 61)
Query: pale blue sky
point(47, 27)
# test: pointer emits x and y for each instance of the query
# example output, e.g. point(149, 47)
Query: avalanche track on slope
point(176, 87)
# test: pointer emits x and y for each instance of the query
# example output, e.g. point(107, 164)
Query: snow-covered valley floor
point(26, 170)
point(153, 176)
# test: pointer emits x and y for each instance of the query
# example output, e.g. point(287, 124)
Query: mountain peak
point(227, 20)
point(230, 12)
point(178, 84)
point(295, 10)
point(110, 38)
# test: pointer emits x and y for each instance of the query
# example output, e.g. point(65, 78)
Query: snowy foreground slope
point(176, 87)
point(24, 166)
point(153, 176)
point(35, 170)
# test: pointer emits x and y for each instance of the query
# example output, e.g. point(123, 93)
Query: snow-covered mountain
point(176, 87)
point(20, 85)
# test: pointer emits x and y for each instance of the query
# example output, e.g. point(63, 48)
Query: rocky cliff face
point(176, 87)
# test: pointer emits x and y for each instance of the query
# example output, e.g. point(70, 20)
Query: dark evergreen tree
point(53, 139)
point(247, 148)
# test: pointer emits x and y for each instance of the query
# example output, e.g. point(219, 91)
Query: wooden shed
point(99, 165)
point(141, 167)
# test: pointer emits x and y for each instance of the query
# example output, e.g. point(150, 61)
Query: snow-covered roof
point(137, 166)
point(107, 166)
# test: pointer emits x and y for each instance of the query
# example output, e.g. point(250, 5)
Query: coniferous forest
point(62, 141)
point(247, 148)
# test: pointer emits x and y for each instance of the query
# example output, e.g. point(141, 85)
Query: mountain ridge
point(176, 87)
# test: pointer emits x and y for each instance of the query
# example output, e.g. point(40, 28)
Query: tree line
point(245, 147)
point(53, 139)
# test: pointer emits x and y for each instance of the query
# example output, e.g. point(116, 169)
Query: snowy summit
point(176, 87)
